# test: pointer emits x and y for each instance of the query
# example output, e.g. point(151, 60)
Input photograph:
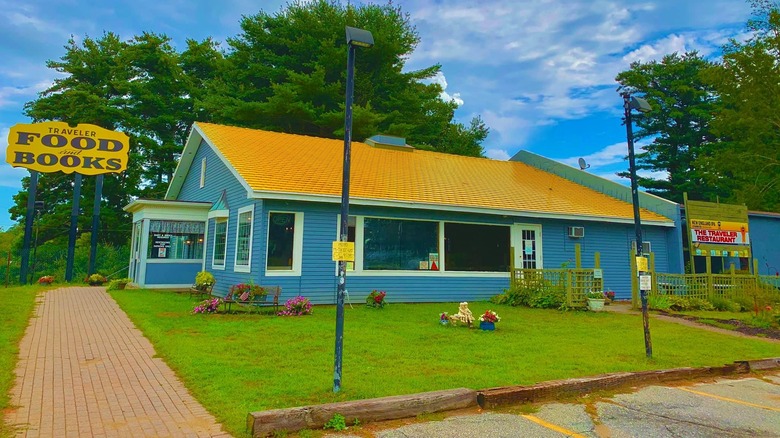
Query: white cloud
point(12, 95)
point(542, 60)
point(442, 81)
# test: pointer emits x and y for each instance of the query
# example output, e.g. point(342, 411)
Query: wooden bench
point(202, 293)
point(257, 302)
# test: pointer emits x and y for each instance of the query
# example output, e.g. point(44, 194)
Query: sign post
point(58, 147)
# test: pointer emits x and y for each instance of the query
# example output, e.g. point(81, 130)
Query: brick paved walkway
point(85, 370)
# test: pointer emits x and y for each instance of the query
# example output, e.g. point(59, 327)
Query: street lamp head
point(640, 104)
point(359, 37)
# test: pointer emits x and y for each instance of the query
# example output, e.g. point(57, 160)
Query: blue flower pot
point(484, 325)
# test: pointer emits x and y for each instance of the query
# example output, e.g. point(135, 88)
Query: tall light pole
point(641, 105)
point(355, 38)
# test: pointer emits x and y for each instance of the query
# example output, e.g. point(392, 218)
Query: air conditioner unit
point(577, 232)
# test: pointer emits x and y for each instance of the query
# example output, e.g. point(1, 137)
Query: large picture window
point(471, 247)
point(220, 242)
point(391, 244)
point(244, 239)
point(175, 240)
point(281, 241)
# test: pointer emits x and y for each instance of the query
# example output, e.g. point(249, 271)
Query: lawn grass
point(234, 364)
point(16, 307)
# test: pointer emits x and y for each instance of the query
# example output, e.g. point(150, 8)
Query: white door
point(527, 241)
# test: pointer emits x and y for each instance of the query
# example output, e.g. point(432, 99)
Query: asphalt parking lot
point(723, 408)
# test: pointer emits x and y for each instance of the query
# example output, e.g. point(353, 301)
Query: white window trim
point(203, 173)
point(236, 266)
point(214, 243)
point(516, 237)
point(297, 246)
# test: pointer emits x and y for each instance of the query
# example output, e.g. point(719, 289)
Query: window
point(220, 242)
point(471, 247)
point(391, 244)
point(285, 243)
point(244, 239)
point(175, 240)
point(203, 173)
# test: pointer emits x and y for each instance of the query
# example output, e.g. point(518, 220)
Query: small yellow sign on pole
point(343, 251)
point(641, 264)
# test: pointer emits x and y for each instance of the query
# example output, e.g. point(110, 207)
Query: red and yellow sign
point(54, 146)
point(719, 232)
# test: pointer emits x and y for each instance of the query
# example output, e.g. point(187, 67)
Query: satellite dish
point(583, 164)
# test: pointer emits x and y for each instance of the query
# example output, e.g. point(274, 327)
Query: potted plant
point(376, 299)
point(246, 292)
point(118, 284)
point(96, 280)
point(204, 280)
point(488, 320)
point(609, 296)
point(46, 280)
point(595, 300)
point(444, 318)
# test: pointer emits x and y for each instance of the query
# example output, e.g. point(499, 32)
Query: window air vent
point(577, 232)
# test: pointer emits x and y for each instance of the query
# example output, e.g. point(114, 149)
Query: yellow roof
point(298, 164)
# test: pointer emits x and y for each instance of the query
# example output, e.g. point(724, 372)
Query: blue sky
point(539, 72)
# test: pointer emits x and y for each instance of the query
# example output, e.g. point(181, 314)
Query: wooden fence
point(573, 283)
point(732, 286)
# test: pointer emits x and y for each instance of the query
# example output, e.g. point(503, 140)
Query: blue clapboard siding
point(765, 239)
point(612, 241)
point(181, 273)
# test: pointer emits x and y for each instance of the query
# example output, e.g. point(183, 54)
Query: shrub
point(537, 294)
point(724, 305)
point(744, 302)
point(376, 299)
point(659, 302)
point(297, 306)
point(204, 279)
point(681, 303)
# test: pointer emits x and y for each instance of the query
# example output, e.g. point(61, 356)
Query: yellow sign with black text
point(57, 147)
point(343, 251)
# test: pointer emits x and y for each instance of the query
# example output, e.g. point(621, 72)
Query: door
point(527, 241)
point(135, 256)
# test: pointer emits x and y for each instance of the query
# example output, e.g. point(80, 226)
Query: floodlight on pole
point(355, 38)
point(641, 105)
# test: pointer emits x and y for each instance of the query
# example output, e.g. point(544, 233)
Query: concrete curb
point(263, 423)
